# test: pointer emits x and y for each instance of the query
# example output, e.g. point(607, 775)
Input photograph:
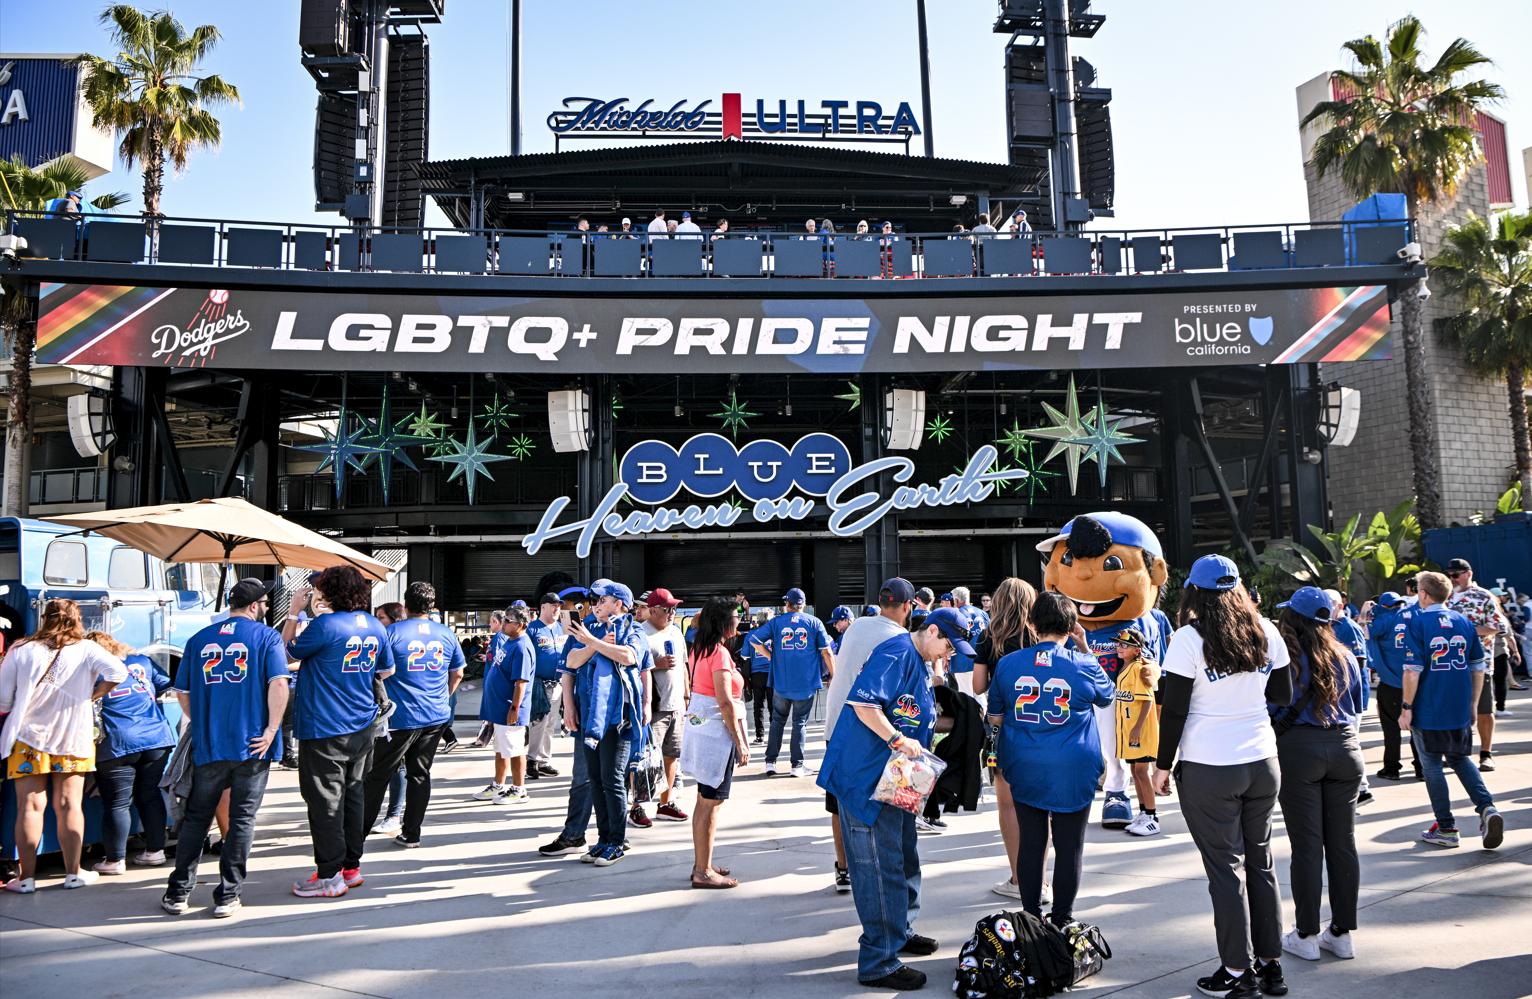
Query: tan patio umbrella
point(223, 531)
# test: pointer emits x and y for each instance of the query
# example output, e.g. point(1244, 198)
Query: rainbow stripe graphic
point(1354, 327)
point(72, 318)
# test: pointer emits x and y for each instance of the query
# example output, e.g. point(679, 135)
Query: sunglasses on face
point(1455, 575)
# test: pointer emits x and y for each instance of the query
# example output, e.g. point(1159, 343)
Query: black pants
point(1502, 680)
point(133, 779)
point(289, 729)
point(1068, 829)
point(1322, 771)
point(331, 775)
point(414, 749)
point(245, 780)
point(760, 703)
point(1390, 701)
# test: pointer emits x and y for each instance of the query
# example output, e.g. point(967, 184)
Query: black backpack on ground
point(1014, 955)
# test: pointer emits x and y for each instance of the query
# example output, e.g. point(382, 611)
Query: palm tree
point(1491, 273)
point(1405, 127)
point(25, 189)
point(150, 96)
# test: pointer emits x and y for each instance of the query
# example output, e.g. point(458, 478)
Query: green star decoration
point(389, 437)
point(616, 403)
point(521, 447)
point(852, 396)
point(1014, 441)
point(346, 446)
point(496, 415)
point(734, 415)
point(998, 468)
point(424, 424)
point(1103, 438)
point(439, 446)
point(1026, 460)
point(939, 429)
point(470, 459)
point(1065, 432)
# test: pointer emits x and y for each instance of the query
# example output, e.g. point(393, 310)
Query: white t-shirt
point(856, 645)
point(1227, 723)
point(688, 226)
point(659, 226)
point(54, 715)
point(668, 695)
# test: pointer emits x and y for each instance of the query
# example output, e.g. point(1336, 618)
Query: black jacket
point(962, 750)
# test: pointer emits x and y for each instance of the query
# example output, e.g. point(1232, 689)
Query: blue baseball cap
point(794, 596)
point(611, 588)
point(686, 215)
point(1125, 530)
point(1213, 572)
point(869, 611)
point(518, 603)
point(1389, 600)
point(1311, 602)
point(899, 589)
point(841, 613)
point(945, 596)
point(572, 592)
point(954, 626)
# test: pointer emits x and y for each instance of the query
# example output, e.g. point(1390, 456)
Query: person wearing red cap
point(671, 692)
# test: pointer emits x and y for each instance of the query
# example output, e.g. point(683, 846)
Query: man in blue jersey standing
point(1385, 654)
point(429, 666)
point(753, 649)
point(547, 636)
point(801, 661)
point(232, 685)
point(507, 704)
point(840, 619)
point(890, 708)
point(1443, 674)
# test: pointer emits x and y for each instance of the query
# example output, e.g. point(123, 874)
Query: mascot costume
point(1112, 567)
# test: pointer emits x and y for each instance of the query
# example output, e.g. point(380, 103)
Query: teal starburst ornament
point(1027, 460)
point(939, 429)
point(1102, 438)
point(521, 447)
point(426, 424)
point(392, 440)
point(439, 446)
point(346, 446)
point(1065, 433)
point(496, 415)
point(852, 396)
point(470, 459)
point(734, 415)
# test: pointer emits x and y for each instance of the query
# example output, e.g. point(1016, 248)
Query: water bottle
point(670, 647)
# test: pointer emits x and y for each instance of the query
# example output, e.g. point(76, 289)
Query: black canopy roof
point(751, 183)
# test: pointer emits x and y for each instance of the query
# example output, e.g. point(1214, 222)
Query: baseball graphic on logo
point(218, 296)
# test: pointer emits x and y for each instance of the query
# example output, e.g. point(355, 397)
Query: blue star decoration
point(346, 446)
point(390, 438)
point(939, 429)
point(1065, 433)
point(1102, 438)
point(521, 447)
point(470, 459)
point(734, 415)
point(496, 415)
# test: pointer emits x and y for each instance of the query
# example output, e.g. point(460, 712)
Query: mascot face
point(1106, 566)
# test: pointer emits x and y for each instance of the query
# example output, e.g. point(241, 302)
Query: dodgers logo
point(1260, 329)
point(907, 708)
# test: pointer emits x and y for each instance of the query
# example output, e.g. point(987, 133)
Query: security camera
point(1410, 253)
point(1423, 292)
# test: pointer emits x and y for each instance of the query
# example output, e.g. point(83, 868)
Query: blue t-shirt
point(896, 681)
point(1444, 648)
point(1050, 751)
point(131, 718)
point(608, 693)
point(1103, 640)
point(339, 652)
point(761, 635)
point(424, 653)
point(548, 640)
point(1349, 705)
point(796, 640)
point(517, 661)
point(1385, 640)
point(224, 674)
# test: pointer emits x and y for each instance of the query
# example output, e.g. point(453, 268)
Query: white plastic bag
point(908, 781)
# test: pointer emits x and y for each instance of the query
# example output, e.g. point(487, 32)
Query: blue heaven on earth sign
point(782, 484)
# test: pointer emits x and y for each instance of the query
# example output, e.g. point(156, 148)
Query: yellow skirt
point(28, 762)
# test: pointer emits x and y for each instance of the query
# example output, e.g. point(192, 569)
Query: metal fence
point(638, 254)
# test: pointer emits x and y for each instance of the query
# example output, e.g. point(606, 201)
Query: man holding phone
point(548, 635)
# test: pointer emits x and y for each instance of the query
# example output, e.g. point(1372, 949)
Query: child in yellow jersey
point(1138, 723)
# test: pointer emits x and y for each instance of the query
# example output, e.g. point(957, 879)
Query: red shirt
point(703, 667)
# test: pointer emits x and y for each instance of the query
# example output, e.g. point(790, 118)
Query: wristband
point(895, 740)
point(1406, 706)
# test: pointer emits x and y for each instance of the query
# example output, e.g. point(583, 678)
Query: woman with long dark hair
point(1322, 771)
point(47, 683)
point(713, 737)
point(1009, 631)
point(1224, 665)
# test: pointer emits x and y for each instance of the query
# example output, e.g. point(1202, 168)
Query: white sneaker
point(224, 910)
point(1304, 947)
point(81, 880)
point(490, 792)
point(513, 796)
point(1341, 946)
point(1503, 713)
point(771, 770)
point(1046, 898)
point(799, 772)
point(110, 867)
point(388, 826)
point(1144, 825)
point(148, 858)
point(21, 886)
point(1005, 888)
point(923, 825)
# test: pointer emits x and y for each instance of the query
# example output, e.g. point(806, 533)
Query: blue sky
point(1204, 110)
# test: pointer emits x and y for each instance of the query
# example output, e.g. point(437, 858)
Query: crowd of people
point(662, 226)
point(1239, 712)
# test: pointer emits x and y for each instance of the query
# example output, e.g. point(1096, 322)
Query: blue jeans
point(885, 882)
point(246, 783)
point(577, 819)
point(124, 782)
point(396, 795)
point(607, 765)
point(780, 706)
point(1431, 765)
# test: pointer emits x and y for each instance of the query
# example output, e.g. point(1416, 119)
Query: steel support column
point(1176, 457)
point(880, 541)
point(596, 472)
point(1216, 468)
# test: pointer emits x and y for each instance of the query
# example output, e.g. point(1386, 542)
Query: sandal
point(720, 871)
point(710, 879)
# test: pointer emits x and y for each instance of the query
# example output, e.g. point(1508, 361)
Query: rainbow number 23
point(221, 663)
point(430, 655)
point(1054, 693)
point(361, 654)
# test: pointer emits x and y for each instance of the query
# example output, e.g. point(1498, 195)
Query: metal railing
point(639, 254)
point(67, 485)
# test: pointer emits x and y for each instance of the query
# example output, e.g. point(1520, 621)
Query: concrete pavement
point(477, 911)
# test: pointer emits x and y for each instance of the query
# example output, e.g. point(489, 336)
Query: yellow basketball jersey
point(1138, 723)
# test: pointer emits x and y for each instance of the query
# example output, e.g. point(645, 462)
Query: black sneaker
point(842, 880)
point(1364, 797)
point(1268, 975)
point(937, 822)
point(1223, 985)
point(532, 773)
point(559, 847)
point(544, 769)
point(902, 978)
point(920, 946)
point(1389, 775)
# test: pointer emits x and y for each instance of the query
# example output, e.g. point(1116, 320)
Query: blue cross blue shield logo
point(1260, 329)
